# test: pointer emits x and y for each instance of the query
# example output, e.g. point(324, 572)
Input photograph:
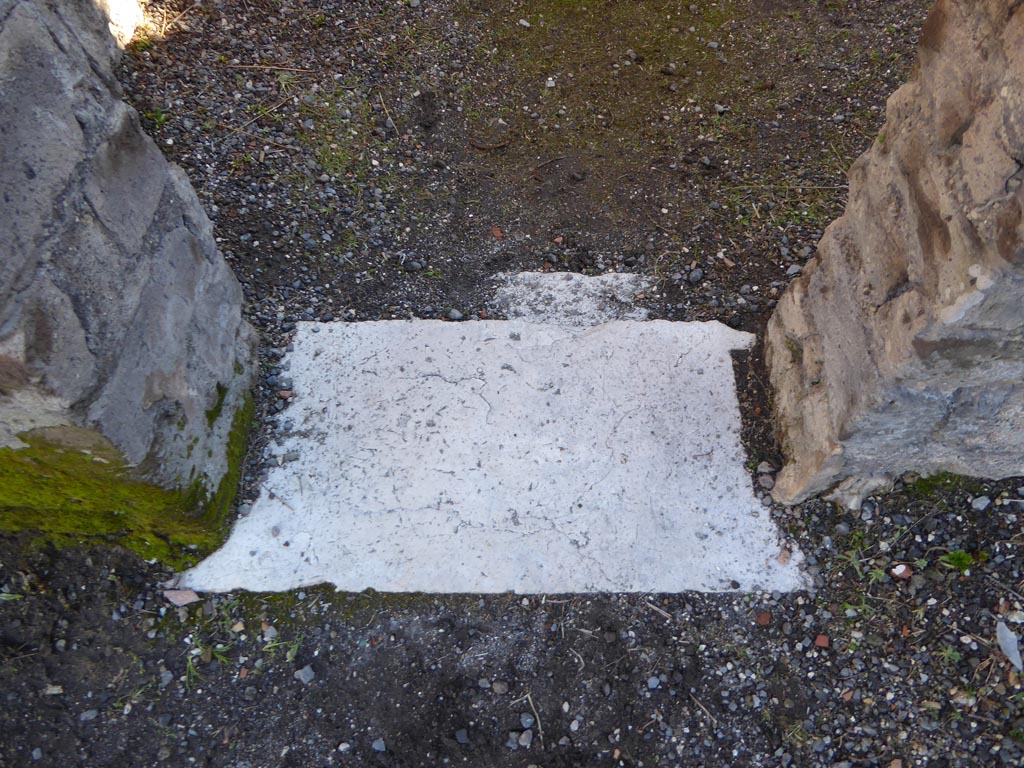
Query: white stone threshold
point(509, 456)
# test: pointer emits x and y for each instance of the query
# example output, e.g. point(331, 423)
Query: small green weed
point(852, 559)
point(950, 656)
point(291, 648)
point(141, 42)
point(192, 675)
point(158, 117)
point(958, 560)
point(286, 81)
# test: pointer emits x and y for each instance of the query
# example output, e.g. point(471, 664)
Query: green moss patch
point(214, 413)
point(218, 505)
point(943, 483)
point(605, 60)
point(71, 486)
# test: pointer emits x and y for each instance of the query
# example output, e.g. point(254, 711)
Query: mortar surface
point(499, 456)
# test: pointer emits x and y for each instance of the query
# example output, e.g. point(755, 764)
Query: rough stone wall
point(117, 312)
point(901, 347)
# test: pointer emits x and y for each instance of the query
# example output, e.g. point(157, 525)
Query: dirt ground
point(366, 160)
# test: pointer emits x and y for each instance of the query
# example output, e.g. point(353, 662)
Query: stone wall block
point(117, 312)
point(901, 346)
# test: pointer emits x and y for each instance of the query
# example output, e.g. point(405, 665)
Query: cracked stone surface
point(500, 456)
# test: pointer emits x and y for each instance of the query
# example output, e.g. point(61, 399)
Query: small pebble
point(981, 503)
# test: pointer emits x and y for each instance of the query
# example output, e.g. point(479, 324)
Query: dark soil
point(365, 160)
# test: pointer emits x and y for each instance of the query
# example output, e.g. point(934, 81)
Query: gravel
point(872, 668)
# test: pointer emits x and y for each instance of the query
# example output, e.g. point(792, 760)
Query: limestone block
point(901, 346)
point(117, 312)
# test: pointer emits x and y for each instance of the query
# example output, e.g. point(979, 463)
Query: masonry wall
point(901, 347)
point(117, 312)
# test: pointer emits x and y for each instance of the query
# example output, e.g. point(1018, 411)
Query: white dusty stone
point(570, 299)
point(508, 456)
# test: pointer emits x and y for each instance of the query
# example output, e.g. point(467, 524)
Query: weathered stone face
point(901, 346)
point(116, 310)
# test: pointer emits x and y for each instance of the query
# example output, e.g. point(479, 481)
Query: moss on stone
point(72, 486)
point(941, 483)
point(218, 505)
point(214, 413)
